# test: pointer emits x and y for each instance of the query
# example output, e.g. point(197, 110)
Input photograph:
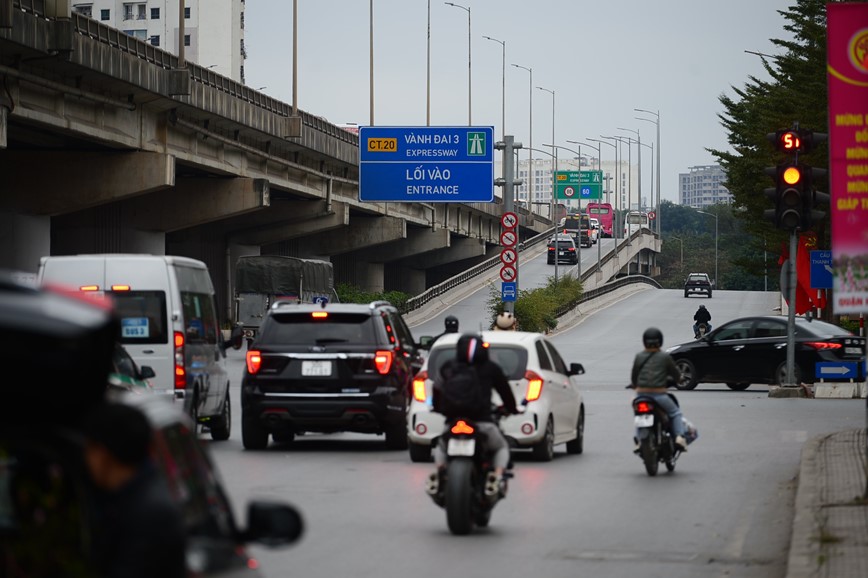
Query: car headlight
point(673, 348)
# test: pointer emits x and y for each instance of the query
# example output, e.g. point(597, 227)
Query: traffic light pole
point(791, 314)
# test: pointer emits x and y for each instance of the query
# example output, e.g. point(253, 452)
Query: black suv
point(697, 283)
point(563, 248)
point(340, 367)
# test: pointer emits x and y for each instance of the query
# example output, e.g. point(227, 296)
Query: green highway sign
point(584, 185)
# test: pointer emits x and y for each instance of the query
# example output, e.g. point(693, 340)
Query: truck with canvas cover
point(260, 281)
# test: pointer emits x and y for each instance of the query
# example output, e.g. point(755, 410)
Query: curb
point(802, 561)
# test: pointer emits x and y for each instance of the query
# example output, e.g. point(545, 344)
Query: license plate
point(461, 447)
point(562, 253)
point(644, 420)
point(853, 350)
point(316, 368)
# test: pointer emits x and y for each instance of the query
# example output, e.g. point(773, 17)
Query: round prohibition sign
point(508, 273)
point(652, 215)
point(508, 238)
point(509, 220)
point(569, 192)
point(507, 256)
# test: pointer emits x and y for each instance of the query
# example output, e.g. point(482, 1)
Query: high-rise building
point(703, 186)
point(213, 29)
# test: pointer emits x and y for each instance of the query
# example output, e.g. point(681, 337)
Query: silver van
point(168, 322)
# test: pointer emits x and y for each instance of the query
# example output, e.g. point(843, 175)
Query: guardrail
point(441, 288)
point(606, 288)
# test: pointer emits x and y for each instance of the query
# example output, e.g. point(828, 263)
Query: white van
point(168, 321)
point(635, 221)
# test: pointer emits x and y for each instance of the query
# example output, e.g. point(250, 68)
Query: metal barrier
point(606, 288)
point(441, 288)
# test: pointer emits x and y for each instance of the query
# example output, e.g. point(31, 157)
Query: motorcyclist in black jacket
point(701, 316)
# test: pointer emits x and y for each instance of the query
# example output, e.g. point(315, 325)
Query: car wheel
point(194, 413)
point(685, 294)
point(740, 386)
point(709, 294)
point(221, 426)
point(577, 445)
point(420, 453)
point(396, 436)
point(551, 262)
point(688, 375)
point(544, 450)
point(253, 435)
point(781, 374)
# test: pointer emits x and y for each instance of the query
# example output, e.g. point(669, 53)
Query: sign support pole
point(509, 201)
point(791, 314)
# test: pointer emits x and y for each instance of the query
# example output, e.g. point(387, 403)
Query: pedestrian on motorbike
point(652, 371)
point(472, 354)
point(506, 321)
point(701, 316)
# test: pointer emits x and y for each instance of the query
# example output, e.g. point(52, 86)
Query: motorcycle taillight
point(644, 407)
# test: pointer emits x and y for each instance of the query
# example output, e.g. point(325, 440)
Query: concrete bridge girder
point(291, 220)
point(59, 182)
point(197, 201)
point(459, 249)
point(418, 242)
point(362, 232)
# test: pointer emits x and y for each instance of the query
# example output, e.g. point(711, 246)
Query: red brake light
point(534, 385)
point(89, 288)
point(643, 407)
point(571, 249)
point(462, 427)
point(383, 362)
point(319, 314)
point(419, 393)
point(120, 287)
point(823, 345)
point(254, 362)
point(180, 367)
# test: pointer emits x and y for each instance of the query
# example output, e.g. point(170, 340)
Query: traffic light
point(812, 196)
point(796, 140)
point(788, 194)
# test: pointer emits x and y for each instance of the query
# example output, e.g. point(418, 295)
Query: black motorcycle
point(463, 486)
point(656, 442)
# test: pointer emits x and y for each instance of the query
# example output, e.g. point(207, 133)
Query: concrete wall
point(23, 240)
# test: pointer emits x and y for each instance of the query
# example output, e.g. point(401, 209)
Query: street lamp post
point(599, 168)
point(555, 168)
point(651, 146)
point(579, 248)
point(716, 285)
point(469, 69)
point(530, 171)
point(657, 123)
point(680, 240)
point(629, 141)
point(639, 189)
point(503, 83)
point(617, 180)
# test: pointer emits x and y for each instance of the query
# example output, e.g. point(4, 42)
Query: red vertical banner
point(847, 73)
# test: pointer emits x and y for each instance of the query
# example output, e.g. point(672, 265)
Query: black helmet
point(702, 306)
point(451, 323)
point(471, 349)
point(652, 337)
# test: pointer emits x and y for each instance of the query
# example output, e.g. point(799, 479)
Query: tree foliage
point(795, 92)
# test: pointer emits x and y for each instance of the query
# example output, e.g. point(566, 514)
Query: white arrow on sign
point(839, 370)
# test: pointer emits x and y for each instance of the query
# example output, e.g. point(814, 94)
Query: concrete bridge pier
point(23, 240)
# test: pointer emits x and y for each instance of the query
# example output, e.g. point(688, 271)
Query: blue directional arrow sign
point(508, 290)
point(426, 164)
point(837, 369)
point(821, 269)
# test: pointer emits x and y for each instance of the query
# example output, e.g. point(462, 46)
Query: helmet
point(451, 323)
point(471, 349)
point(702, 306)
point(505, 320)
point(652, 337)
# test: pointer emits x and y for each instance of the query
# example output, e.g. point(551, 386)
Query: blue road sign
point(321, 300)
point(837, 369)
point(508, 290)
point(821, 269)
point(426, 164)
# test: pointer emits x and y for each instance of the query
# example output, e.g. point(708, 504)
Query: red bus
point(604, 213)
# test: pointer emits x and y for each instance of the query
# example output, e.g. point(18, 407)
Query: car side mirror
point(236, 338)
point(577, 369)
point(273, 523)
point(425, 342)
point(146, 372)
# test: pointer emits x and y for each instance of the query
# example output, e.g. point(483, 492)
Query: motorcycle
point(463, 484)
point(701, 330)
point(656, 442)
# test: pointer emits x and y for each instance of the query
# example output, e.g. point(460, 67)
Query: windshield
point(511, 359)
point(635, 219)
point(303, 329)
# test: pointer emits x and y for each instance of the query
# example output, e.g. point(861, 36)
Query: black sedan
point(754, 350)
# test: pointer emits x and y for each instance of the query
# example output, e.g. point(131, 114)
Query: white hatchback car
point(555, 411)
point(595, 230)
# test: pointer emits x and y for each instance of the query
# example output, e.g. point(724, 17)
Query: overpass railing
point(441, 288)
point(606, 288)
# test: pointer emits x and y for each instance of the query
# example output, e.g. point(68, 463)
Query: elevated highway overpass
point(108, 144)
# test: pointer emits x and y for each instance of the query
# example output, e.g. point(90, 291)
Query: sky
point(603, 59)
